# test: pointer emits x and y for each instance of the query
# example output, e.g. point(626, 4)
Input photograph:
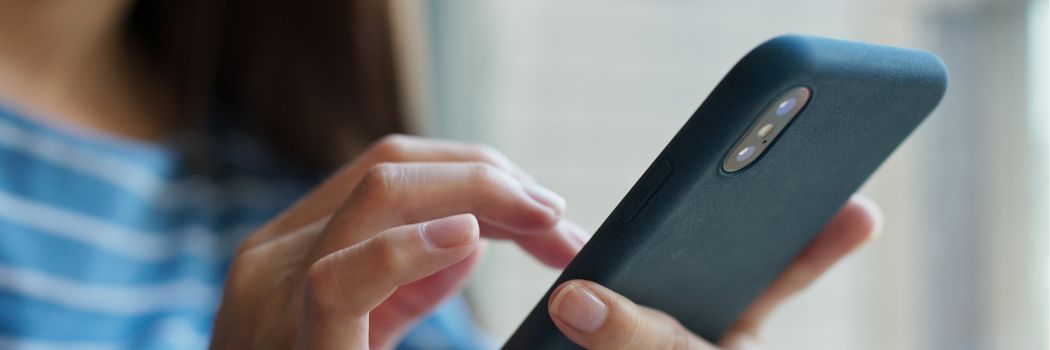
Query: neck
point(68, 60)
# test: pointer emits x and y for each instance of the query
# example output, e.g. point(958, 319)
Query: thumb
point(389, 321)
point(344, 287)
point(597, 318)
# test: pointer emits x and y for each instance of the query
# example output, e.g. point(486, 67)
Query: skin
point(414, 212)
point(66, 61)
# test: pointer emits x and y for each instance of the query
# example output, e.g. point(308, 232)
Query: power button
point(644, 189)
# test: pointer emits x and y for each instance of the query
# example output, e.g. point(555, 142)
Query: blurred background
point(584, 94)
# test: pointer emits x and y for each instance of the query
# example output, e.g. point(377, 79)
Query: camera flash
point(765, 130)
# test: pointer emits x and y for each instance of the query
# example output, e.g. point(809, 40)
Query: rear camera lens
point(765, 130)
point(745, 153)
point(785, 107)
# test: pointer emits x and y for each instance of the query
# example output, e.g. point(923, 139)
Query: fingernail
point(546, 197)
point(579, 308)
point(450, 232)
point(876, 214)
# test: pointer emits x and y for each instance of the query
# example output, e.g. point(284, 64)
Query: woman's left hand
point(595, 317)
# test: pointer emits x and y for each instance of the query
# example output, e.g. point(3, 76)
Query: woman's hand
point(363, 257)
point(597, 318)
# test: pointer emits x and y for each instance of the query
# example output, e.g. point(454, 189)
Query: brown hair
point(314, 79)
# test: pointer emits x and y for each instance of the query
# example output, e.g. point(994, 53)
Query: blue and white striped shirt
point(109, 243)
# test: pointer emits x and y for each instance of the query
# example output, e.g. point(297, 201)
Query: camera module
point(766, 129)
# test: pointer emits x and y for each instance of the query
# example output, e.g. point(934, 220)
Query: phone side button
point(644, 189)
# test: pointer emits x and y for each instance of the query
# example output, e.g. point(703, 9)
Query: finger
point(555, 246)
point(854, 224)
point(407, 149)
point(330, 194)
point(343, 287)
point(289, 249)
point(265, 262)
point(595, 317)
point(394, 194)
point(411, 302)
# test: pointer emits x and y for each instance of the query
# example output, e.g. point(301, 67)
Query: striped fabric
point(109, 243)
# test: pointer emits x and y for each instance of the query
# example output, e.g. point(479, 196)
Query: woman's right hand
point(359, 260)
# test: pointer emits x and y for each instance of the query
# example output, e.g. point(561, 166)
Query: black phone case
point(700, 243)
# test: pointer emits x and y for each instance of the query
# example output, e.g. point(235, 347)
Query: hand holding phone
point(742, 190)
point(598, 318)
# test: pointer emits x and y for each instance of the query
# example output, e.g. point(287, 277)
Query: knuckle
point(487, 153)
point(239, 271)
point(321, 287)
point(634, 334)
point(386, 256)
point(255, 239)
point(632, 330)
point(245, 258)
point(391, 147)
point(248, 266)
point(484, 174)
point(490, 182)
point(380, 182)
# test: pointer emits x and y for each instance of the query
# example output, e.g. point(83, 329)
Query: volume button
point(644, 190)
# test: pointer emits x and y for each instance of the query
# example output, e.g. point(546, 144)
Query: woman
point(150, 149)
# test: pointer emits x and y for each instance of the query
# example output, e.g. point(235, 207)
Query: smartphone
point(778, 147)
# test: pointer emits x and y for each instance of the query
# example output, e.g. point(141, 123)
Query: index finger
point(401, 193)
point(330, 194)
